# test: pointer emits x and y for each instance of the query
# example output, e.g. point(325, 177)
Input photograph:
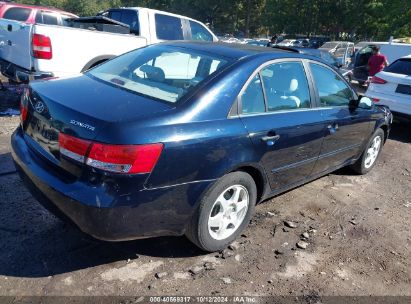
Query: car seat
point(153, 73)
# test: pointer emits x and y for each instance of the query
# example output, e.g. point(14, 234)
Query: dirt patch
point(359, 242)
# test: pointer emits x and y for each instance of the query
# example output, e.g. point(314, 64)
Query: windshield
point(401, 66)
point(162, 72)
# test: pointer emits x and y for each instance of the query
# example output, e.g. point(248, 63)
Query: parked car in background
point(262, 43)
point(301, 43)
point(34, 51)
point(342, 50)
point(230, 40)
point(33, 14)
point(186, 137)
point(286, 42)
point(317, 41)
point(392, 87)
point(392, 51)
point(329, 58)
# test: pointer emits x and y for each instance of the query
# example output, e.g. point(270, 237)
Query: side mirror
point(365, 103)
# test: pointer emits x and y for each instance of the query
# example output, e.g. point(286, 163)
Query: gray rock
point(290, 224)
point(160, 275)
point(271, 214)
point(234, 246)
point(226, 280)
point(279, 252)
point(286, 230)
point(196, 270)
point(305, 235)
point(353, 222)
point(210, 266)
point(226, 254)
point(302, 245)
point(237, 258)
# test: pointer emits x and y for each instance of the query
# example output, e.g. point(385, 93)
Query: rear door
point(345, 129)
point(284, 126)
point(15, 42)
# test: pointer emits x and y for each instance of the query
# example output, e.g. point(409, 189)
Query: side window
point(252, 99)
point(332, 89)
point(168, 27)
point(131, 18)
point(39, 17)
point(115, 15)
point(17, 13)
point(198, 32)
point(50, 19)
point(286, 86)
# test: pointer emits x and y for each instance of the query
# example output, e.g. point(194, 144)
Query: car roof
point(39, 7)
point(232, 50)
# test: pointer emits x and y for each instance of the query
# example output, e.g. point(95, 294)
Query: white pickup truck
point(34, 51)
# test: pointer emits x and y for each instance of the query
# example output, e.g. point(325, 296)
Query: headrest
point(153, 73)
point(293, 85)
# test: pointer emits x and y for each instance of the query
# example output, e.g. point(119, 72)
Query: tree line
point(340, 19)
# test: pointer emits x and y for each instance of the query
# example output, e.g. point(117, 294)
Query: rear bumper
point(18, 74)
point(396, 103)
point(148, 213)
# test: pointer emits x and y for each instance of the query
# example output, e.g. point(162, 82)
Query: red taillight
point(124, 158)
point(73, 147)
point(375, 100)
point(24, 105)
point(42, 47)
point(113, 158)
point(377, 80)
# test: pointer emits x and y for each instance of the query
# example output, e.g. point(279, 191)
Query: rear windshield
point(162, 72)
point(401, 66)
point(17, 13)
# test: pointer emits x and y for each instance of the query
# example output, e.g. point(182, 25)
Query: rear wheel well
point(257, 177)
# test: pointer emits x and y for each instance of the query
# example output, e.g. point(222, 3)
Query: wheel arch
point(259, 176)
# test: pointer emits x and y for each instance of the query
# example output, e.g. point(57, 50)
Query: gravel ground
point(358, 242)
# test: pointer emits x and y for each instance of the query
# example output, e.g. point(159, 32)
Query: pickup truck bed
point(32, 51)
point(73, 49)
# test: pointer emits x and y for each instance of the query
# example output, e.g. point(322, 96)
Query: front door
point(286, 130)
point(345, 129)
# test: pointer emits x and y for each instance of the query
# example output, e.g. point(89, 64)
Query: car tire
point(220, 205)
point(370, 155)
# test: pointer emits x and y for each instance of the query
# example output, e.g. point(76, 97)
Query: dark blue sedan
point(185, 138)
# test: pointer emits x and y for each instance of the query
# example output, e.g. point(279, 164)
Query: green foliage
point(341, 19)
